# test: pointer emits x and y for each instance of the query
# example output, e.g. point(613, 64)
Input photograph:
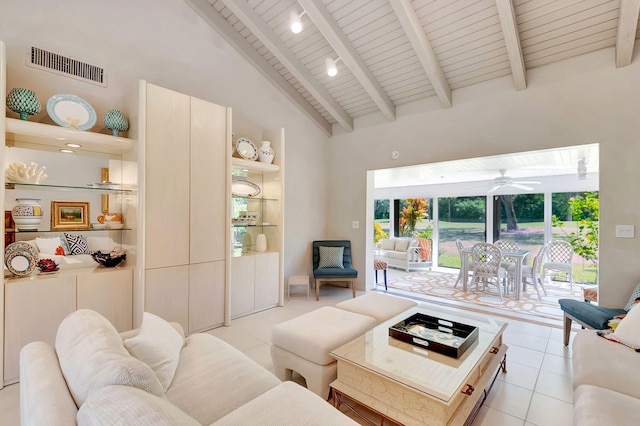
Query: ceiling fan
point(505, 180)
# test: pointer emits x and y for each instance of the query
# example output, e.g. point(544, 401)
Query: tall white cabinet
point(185, 205)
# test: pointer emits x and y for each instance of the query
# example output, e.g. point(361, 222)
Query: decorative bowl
point(240, 221)
point(108, 260)
point(24, 102)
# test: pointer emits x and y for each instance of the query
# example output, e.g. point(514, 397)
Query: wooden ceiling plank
point(220, 24)
point(418, 39)
point(329, 28)
point(512, 42)
point(627, 27)
point(252, 20)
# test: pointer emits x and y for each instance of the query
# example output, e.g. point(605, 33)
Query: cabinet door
point(167, 294)
point(206, 295)
point(167, 178)
point(110, 293)
point(242, 285)
point(33, 311)
point(208, 181)
point(267, 280)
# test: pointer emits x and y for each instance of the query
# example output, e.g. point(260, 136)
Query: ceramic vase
point(27, 214)
point(115, 121)
point(261, 242)
point(23, 101)
point(266, 154)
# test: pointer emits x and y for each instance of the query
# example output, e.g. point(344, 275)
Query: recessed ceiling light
point(67, 151)
point(72, 145)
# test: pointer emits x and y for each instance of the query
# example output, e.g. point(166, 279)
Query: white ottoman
point(302, 344)
point(377, 305)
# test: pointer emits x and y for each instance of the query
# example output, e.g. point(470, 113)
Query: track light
point(332, 66)
point(582, 169)
point(295, 21)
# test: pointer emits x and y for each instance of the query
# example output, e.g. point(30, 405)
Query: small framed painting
point(67, 215)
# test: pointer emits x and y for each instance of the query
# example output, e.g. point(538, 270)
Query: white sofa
point(606, 381)
point(403, 253)
point(91, 379)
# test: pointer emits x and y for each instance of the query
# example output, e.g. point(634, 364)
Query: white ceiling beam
point(329, 28)
point(422, 46)
point(512, 41)
point(245, 13)
point(233, 37)
point(627, 27)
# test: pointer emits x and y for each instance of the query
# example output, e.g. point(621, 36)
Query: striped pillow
point(331, 257)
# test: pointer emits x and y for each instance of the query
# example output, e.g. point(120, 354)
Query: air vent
point(66, 66)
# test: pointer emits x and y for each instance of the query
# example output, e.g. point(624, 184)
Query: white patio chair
point(507, 262)
point(460, 246)
point(531, 274)
point(486, 260)
point(557, 259)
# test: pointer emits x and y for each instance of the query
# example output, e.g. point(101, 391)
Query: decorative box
point(437, 334)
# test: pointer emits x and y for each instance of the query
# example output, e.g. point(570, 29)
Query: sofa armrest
point(44, 396)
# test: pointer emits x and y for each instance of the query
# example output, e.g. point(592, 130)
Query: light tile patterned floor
point(536, 390)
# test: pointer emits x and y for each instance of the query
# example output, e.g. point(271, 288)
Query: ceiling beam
point(329, 28)
point(245, 13)
point(627, 27)
point(233, 37)
point(512, 41)
point(421, 45)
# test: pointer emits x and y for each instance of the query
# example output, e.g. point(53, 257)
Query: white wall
point(582, 100)
point(166, 43)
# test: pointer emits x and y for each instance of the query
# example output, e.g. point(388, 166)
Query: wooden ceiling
point(396, 51)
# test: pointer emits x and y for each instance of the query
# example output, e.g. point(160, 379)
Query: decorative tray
point(437, 334)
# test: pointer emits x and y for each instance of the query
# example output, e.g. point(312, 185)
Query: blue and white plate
point(71, 111)
point(243, 188)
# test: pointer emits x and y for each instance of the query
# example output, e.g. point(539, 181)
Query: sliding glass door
point(459, 218)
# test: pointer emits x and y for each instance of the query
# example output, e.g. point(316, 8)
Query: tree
point(584, 209)
point(512, 220)
point(416, 210)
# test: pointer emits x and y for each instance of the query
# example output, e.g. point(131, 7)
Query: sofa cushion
point(158, 345)
point(628, 330)
point(331, 257)
point(598, 406)
point(402, 255)
point(402, 244)
point(213, 379)
point(286, 404)
point(388, 244)
point(91, 356)
point(377, 305)
point(599, 362)
point(124, 405)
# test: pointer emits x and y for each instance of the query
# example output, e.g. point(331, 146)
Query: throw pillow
point(53, 245)
point(92, 356)
point(158, 344)
point(634, 296)
point(77, 244)
point(402, 245)
point(388, 244)
point(331, 257)
point(628, 330)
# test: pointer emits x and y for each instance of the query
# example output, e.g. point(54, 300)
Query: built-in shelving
point(254, 166)
point(16, 185)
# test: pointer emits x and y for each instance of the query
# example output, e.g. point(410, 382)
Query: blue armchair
point(334, 273)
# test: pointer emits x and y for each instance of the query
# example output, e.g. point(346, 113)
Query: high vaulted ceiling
point(396, 51)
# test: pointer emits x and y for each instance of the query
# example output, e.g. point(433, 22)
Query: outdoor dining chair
point(461, 274)
point(558, 257)
point(531, 274)
point(486, 260)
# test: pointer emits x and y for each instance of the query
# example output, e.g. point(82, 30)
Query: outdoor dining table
point(517, 255)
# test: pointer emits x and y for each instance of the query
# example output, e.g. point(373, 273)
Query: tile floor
point(536, 390)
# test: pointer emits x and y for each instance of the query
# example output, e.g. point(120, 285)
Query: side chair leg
point(385, 279)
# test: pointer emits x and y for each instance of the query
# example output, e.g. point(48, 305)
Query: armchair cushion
point(335, 273)
point(388, 244)
point(331, 257)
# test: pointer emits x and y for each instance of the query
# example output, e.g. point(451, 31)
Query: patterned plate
point(244, 188)
point(71, 111)
point(21, 258)
point(246, 149)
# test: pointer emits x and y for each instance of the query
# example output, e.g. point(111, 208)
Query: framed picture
point(9, 228)
point(67, 215)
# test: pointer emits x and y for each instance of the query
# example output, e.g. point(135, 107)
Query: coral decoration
point(47, 265)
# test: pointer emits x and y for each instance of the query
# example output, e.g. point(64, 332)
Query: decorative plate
point(71, 111)
point(244, 188)
point(246, 149)
point(21, 258)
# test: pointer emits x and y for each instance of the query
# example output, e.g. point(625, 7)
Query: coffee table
point(415, 386)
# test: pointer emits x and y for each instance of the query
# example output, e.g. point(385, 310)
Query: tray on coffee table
point(437, 334)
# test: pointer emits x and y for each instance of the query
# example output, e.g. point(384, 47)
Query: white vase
point(266, 154)
point(27, 214)
point(261, 242)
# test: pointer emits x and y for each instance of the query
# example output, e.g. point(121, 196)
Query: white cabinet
point(267, 280)
point(110, 293)
point(255, 282)
point(185, 181)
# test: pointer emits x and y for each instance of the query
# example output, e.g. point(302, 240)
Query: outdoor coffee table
point(415, 386)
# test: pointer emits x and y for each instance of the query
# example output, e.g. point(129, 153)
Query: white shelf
point(254, 166)
point(23, 133)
